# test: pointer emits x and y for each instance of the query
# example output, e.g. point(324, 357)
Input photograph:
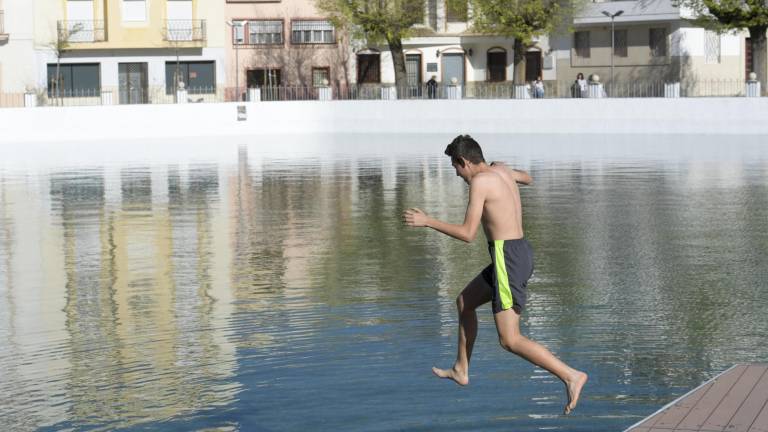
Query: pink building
point(282, 43)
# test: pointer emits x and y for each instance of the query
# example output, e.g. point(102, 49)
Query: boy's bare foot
point(453, 374)
point(574, 386)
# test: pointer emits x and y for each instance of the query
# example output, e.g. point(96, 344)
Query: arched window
point(497, 64)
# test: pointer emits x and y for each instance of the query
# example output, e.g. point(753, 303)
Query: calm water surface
point(270, 286)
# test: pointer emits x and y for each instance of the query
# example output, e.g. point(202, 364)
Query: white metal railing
point(471, 90)
point(185, 31)
point(74, 31)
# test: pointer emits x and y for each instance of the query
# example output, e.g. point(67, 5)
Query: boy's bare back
point(502, 213)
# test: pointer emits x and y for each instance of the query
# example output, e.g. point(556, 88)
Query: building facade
point(17, 51)
point(128, 51)
point(286, 44)
point(444, 48)
point(652, 42)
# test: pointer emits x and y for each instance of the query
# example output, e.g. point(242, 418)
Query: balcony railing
point(81, 31)
point(184, 31)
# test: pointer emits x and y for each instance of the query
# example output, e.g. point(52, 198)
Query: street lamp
point(235, 42)
point(613, 38)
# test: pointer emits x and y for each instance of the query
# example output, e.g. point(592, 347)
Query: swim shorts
point(511, 267)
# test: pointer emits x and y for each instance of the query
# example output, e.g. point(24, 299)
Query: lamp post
point(235, 41)
point(613, 38)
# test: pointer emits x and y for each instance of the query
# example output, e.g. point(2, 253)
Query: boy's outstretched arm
point(466, 231)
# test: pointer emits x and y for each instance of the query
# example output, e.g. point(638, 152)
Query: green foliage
point(725, 15)
point(374, 21)
point(523, 20)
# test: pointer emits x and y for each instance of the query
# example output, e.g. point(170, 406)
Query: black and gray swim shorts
point(511, 267)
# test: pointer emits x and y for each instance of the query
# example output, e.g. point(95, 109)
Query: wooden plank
point(683, 401)
point(721, 416)
point(674, 414)
point(761, 422)
point(701, 411)
point(750, 409)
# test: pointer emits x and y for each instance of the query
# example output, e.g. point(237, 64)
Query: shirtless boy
point(494, 201)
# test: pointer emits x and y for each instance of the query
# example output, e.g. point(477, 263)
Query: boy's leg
point(508, 327)
point(476, 293)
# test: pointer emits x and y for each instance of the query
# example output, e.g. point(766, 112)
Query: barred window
point(312, 32)
point(321, 76)
point(657, 41)
point(581, 43)
point(711, 47)
point(620, 43)
point(265, 32)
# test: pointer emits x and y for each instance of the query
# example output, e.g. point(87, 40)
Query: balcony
point(181, 31)
point(3, 34)
point(634, 12)
point(81, 31)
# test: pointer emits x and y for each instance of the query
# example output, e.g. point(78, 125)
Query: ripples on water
point(272, 287)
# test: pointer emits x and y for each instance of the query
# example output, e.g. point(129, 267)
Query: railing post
point(521, 91)
point(753, 86)
point(595, 88)
point(672, 90)
point(388, 93)
point(181, 94)
point(325, 93)
point(106, 97)
point(30, 100)
point(254, 94)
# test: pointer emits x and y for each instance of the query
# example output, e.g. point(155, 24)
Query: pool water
point(268, 284)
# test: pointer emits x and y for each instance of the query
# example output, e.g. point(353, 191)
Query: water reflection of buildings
point(118, 295)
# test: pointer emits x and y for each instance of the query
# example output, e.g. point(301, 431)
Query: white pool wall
point(555, 116)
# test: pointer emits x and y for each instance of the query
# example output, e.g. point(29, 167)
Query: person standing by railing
point(538, 88)
point(579, 87)
point(432, 87)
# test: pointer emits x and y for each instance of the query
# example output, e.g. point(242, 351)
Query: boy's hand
point(415, 217)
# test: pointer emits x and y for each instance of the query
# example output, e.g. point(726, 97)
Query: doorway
point(533, 65)
point(133, 83)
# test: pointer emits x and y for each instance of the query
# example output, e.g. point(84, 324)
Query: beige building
point(282, 43)
point(652, 44)
point(128, 51)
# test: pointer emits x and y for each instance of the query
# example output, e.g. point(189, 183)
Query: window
point(198, 77)
point(134, 10)
point(711, 47)
point(368, 69)
point(432, 13)
point(74, 80)
point(321, 76)
point(456, 11)
point(581, 43)
point(620, 43)
point(263, 78)
point(268, 80)
point(265, 32)
point(312, 32)
point(238, 32)
point(497, 66)
point(657, 41)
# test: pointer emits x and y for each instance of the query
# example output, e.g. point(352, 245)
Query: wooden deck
point(734, 401)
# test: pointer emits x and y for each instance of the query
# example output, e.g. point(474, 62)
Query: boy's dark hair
point(464, 146)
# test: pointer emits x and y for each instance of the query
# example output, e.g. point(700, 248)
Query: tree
point(730, 15)
point(378, 21)
point(523, 20)
point(59, 46)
